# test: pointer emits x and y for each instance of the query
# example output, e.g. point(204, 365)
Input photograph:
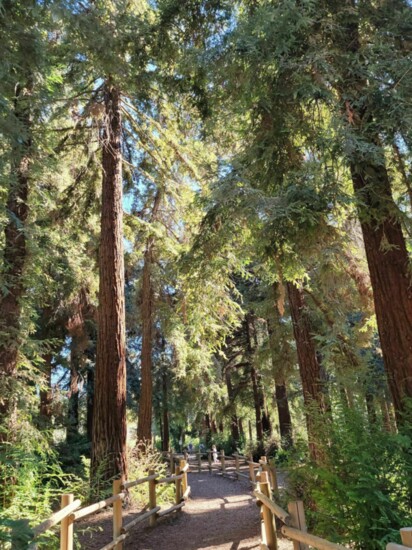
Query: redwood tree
point(15, 245)
point(109, 418)
point(144, 426)
point(385, 246)
point(309, 367)
point(281, 394)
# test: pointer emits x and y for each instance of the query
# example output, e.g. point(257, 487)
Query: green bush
point(31, 481)
point(360, 493)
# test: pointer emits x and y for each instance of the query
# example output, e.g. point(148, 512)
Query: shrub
point(361, 491)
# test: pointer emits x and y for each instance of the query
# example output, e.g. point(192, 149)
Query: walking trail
point(221, 514)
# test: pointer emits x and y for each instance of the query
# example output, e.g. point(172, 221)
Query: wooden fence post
point(66, 526)
point(209, 459)
point(152, 498)
point(274, 478)
point(298, 521)
point(178, 498)
point(251, 470)
point(237, 465)
point(270, 530)
point(263, 467)
point(184, 480)
point(199, 462)
point(406, 536)
point(117, 513)
point(223, 461)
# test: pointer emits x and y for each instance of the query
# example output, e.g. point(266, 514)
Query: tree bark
point(207, 421)
point(109, 419)
point(14, 255)
point(73, 410)
point(81, 309)
point(89, 403)
point(46, 397)
point(282, 402)
point(234, 424)
point(144, 426)
point(285, 419)
point(258, 396)
point(165, 406)
point(309, 367)
point(386, 252)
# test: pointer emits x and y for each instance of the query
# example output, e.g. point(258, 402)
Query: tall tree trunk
point(385, 414)
point(14, 256)
point(160, 420)
point(76, 326)
point(309, 367)
point(258, 397)
point(234, 424)
point(207, 421)
point(250, 431)
point(109, 419)
point(165, 406)
point(46, 397)
point(285, 419)
point(89, 403)
point(386, 252)
point(370, 407)
point(73, 409)
point(266, 423)
point(144, 426)
point(282, 402)
point(257, 404)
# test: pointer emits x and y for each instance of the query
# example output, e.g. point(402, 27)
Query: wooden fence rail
point(71, 512)
point(293, 522)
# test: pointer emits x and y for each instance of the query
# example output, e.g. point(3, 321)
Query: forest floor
point(221, 514)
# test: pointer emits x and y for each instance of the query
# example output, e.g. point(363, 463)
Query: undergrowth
point(360, 492)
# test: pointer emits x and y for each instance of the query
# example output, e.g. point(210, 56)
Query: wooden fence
point(71, 512)
point(292, 524)
point(244, 466)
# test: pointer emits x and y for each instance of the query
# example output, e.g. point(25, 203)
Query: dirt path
point(221, 514)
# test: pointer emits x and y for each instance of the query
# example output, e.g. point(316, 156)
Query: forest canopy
point(205, 239)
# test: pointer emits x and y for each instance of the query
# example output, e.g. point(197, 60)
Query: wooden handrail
point(115, 542)
point(273, 507)
point(171, 509)
point(56, 518)
point(83, 512)
point(67, 515)
point(129, 484)
point(140, 518)
point(311, 540)
point(169, 479)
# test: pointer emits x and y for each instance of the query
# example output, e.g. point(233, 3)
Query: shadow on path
point(221, 514)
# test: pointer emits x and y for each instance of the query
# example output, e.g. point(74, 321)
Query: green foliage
point(31, 481)
point(140, 463)
point(359, 493)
